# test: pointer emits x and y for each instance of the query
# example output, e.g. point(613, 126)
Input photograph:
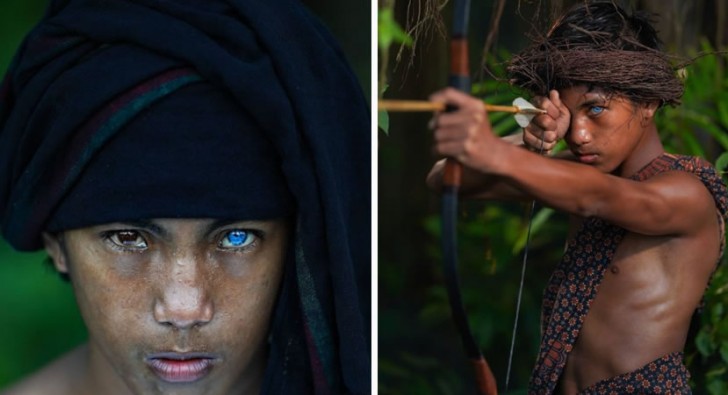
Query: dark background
point(39, 320)
point(419, 349)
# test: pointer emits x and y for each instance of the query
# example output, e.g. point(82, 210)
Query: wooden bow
point(460, 79)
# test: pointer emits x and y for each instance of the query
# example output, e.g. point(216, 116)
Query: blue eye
point(596, 110)
point(237, 239)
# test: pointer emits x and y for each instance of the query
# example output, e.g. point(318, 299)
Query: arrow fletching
point(524, 117)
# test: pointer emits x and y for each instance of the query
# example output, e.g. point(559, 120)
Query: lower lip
point(180, 371)
point(587, 158)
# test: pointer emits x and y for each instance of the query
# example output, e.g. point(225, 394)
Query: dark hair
point(604, 21)
point(600, 44)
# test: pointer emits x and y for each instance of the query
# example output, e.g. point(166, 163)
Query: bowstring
point(520, 286)
point(525, 249)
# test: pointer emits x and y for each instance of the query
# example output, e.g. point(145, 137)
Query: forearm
point(476, 185)
point(563, 185)
point(670, 203)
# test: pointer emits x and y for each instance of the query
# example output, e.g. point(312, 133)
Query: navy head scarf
point(94, 76)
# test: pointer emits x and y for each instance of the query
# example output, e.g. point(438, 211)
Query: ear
point(56, 251)
point(648, 110)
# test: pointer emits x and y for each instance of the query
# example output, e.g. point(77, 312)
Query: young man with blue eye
point(201, 184)
point(647, 227)
point(185, 306)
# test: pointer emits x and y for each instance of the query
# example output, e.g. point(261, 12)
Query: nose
point(579, 135)
point(183, 300)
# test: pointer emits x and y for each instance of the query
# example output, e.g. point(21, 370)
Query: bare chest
point(644, 264)
point(643, 304)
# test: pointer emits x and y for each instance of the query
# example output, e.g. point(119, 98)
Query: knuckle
point(478, 117)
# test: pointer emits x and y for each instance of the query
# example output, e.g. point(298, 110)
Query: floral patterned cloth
point(666, 375)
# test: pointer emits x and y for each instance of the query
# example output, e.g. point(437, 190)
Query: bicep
point(672, 203)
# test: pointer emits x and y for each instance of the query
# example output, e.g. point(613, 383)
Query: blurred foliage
point(389, 33)
point(703, 117)
point(40, 320)
point(16, 18)
point(420, 353)
point(700, 127)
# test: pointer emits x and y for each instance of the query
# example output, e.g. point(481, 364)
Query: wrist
point(514, 139)
point(500, 154)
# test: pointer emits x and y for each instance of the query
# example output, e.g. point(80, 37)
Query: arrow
point(523, 109)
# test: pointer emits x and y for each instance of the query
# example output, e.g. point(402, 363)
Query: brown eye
point(128, 239)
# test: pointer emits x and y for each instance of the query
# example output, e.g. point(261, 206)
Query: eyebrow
point(591, 102)
point(148, 225)
point(155, 228)
point(217, 224)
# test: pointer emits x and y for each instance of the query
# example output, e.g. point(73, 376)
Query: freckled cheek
point(612, 139)
point(245, 302)
point(112, 305)
point(245, 307)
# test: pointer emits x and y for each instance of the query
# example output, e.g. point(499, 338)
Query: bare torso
point(644, 305)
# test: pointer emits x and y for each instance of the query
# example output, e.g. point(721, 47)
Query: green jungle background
point(39, 319)
point(419, 349)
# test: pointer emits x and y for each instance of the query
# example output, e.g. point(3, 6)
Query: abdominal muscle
point(643, 307)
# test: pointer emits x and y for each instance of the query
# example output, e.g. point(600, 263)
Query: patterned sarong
point(666, 375)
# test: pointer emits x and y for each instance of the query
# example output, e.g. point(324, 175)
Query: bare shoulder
point(685, 187)
point(58, 377)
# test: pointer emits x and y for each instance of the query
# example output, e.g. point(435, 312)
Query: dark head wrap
point(97, 76)
point(193, 154)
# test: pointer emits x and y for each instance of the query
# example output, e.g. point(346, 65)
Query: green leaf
point(716, 387)
point(393, 369)
point(383, 121)
point(723, 112)
point(389, 31)
point(383, 88)
point(705, 123)
point(539, 219)
point(693, 146)
point(715, 372)
point(505, 127)
point(705, 344)
point(724, 352)
point(716, 313)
